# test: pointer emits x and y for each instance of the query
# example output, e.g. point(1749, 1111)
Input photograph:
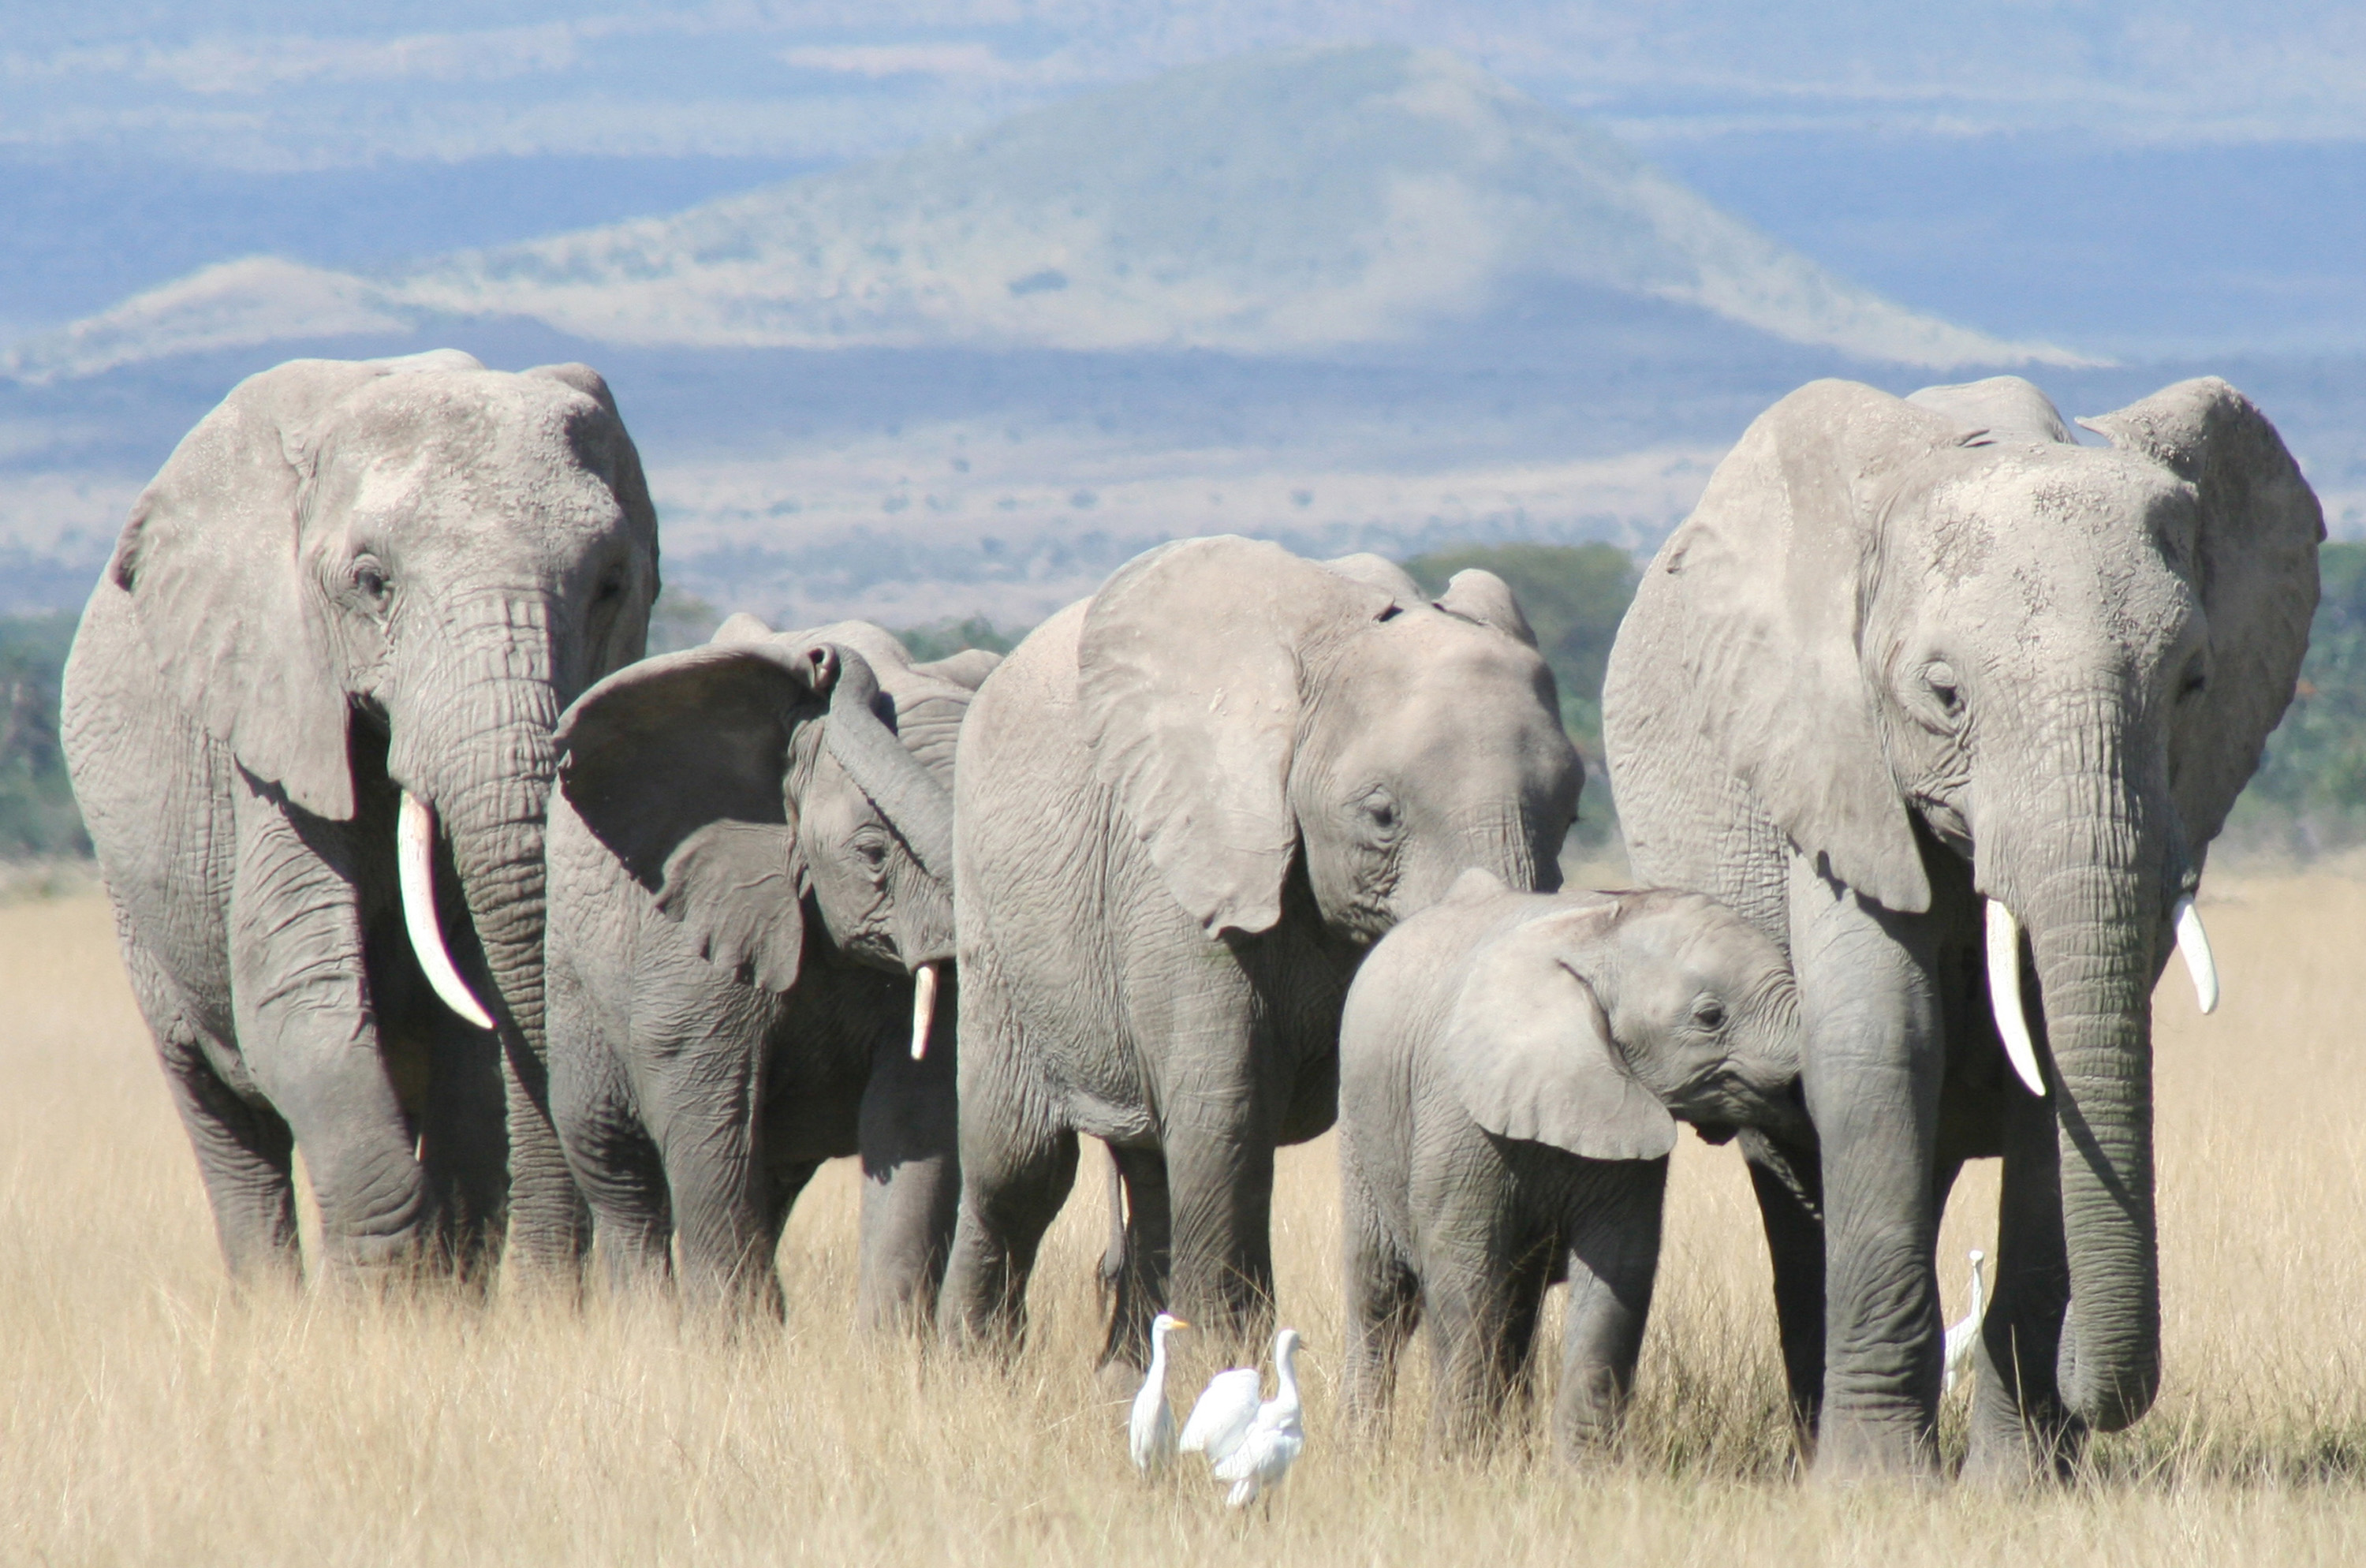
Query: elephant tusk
point(924, 1008)
point(2193, 946)
point(414, 841)
point(2004, 995)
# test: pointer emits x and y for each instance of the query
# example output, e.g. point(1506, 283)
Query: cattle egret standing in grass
point(1222, 1417)
point(1275, 1436)
point(1965, 1332)
point(1150, 1432)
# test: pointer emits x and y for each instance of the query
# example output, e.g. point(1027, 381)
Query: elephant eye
point(2197, 678)
point(1380, 809)
point(612, 588)
point(1939, 678)
point(370, 581)
point(1709, 1014)
point(871, 848)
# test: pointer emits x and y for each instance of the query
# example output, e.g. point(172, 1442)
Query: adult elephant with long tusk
point(751, 904)
point(1952, 707)
point(309, 716)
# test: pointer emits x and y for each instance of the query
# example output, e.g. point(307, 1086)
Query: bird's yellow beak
point(1180, 1322)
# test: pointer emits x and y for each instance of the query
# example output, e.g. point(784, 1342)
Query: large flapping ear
point(1187, 679)
point(1477, 594)
point(1770, 566)
point(678, 765)
point(1530, 1055)
point(212, 561)
point(2255, 571)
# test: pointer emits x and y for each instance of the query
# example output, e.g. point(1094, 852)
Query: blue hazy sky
point(2140, 179)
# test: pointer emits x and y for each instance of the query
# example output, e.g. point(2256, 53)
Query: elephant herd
point(1920, 728)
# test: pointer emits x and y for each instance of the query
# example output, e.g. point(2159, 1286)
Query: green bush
point(38, 817)
point(943, 639)
point(2310, 792)
point(1575, 596)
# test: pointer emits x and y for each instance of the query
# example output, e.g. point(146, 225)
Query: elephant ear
point(1188, 684)
point(212, 561)
point(1477, 594)
point(1773, 563)
point(2256, 570)
point(678, 765)
point(1531, 1053)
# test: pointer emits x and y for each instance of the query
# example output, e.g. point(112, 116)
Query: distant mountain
point(1276, 205)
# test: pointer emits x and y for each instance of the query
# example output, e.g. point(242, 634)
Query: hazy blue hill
point(1274, 204)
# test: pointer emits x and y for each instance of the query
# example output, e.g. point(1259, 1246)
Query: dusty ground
point(147, 1415)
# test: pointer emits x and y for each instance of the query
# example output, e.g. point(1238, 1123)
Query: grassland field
point(149, 1414)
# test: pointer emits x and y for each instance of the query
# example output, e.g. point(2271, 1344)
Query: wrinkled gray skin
point(745, 867)
point(1186, 807)
point(1511, 1071)
point(350, 579)
point(1907, 655)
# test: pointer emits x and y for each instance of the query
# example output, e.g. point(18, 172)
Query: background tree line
point(2309, 794)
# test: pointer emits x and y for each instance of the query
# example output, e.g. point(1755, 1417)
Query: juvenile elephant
point(349, 608)
point(1934, 697)
point(1511, 1070)
point(1185, 806)
point(749, 858)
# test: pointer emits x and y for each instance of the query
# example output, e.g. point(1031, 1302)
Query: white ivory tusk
point(2004, 995)
point(924, 1008)
point(2193, 946)
point(414, 841)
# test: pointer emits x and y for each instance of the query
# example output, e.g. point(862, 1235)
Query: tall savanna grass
point(149, 1414)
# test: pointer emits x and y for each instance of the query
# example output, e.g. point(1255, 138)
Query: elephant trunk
point(2092, 916)
point(484, 762)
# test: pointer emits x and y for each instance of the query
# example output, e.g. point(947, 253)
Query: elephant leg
point(1614, 1260)
point(1468, 1306)
point(244, 1150)
point(910, 1136)
point(1383, 1308)
point(1219, 1185)
point(1013, 1183)
point(1873, 1061)
point(609, 1152)
point(2021, 1430)
point(1144, 1257)
point(462, 1148)
point(1795, 1245)
point(306, 1031)
point(703, 1108)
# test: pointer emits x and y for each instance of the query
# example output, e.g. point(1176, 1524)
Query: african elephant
point(746, 872)
point(1921, 680)
point(349, 608)
point(1186, 807)
point(1511, 1070)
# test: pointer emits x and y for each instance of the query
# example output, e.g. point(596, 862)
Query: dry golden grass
point(149, 1415)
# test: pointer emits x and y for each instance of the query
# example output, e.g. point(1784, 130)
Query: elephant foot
point(1857, 1449)
point(2012, 1454)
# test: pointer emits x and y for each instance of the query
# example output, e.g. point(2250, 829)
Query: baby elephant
point(1511, 1066)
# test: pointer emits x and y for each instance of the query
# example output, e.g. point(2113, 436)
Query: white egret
point(1964, 1334)
point(1150, 1431)
point(1223, 1416)
point(1276, 1435)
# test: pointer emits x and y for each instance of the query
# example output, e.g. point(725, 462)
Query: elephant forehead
point(460, 463)
point(2062, 532)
